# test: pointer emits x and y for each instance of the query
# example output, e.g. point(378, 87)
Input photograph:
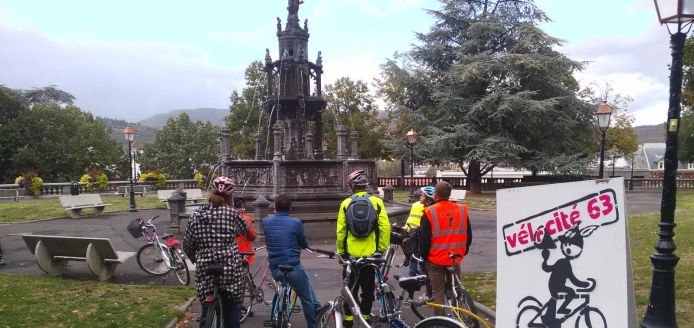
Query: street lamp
point(411, 140)
point(614, 158)
point(134, 147)
point(604, 113)
point(129, 134)
point(661, 305)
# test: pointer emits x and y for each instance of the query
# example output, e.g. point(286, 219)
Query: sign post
point(563, 257)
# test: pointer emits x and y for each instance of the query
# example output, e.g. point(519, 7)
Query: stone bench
point(125, 190)
point(53, 252)
point(75, 204)
point(194, 195)
point(457, 195)
point(15, 194)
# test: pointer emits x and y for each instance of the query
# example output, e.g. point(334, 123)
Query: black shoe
point(2, 262)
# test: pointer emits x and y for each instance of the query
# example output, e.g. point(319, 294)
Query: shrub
point(95, 178)
point(31, 182)
point(202, 178)
point(154, 176)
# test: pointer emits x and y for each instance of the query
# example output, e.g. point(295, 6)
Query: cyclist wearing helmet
point(363, 229)
point(426, 198)
point(210, 238)
point(245, 241)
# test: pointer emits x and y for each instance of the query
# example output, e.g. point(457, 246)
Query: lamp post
point(614, 158)
point(631, 179)
point(604, 113)
point(129, 134)
point(661, 305)
point(134, 148)
point(411, 140)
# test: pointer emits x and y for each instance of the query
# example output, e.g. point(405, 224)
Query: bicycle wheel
point(465, 302)
point(326, 317)
point(439, 322)
point(246, 303)
point(214, 315)
point(591, 318)
point(529, 316)
point(151, 260)
point(180, 268)
point(278, 308)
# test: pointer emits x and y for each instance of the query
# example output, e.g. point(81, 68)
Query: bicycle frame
point(158, 245)
point(286, 296)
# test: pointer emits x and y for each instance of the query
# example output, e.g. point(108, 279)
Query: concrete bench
point(53, 252)
point(125, 190)
point(457, 195)
point(15, 194)
point(75, 204)
point(193, 195)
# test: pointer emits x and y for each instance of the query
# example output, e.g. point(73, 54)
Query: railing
point(487, 183)
point(63, 188)
point(657, 183)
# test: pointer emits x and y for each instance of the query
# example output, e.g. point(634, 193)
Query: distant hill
point(651, 133)
point(143, 133)
point(213, 115)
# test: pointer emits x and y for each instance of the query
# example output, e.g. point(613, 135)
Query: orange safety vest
point(244, 244)
point(448, 231)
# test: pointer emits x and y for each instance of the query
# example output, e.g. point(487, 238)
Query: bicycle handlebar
point(152, 218)
point(589, 289)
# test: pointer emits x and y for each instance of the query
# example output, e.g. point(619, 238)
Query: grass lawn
point(31, 301)
point(472, 201)
point(643, 230)
point(45, 209)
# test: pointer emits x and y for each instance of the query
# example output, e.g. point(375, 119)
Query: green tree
point(45, 95)
point(686, 137)
point(246, 114)
point(621, 134)
point(486, 87)
point(181, 148)
point(62, 143)
point(12, 118)
point(349, 103)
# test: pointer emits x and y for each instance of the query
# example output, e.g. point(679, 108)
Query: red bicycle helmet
point(223, 185)
point(358, 177)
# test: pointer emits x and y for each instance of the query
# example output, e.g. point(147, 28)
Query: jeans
point(299, 281)
point(231, 313)
point(414, 268)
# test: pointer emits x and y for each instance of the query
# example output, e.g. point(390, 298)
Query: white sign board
point(563, 256)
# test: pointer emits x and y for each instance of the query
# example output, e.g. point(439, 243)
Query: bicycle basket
point(395, 238)
point(173, 243)
point(135, 227)
point(410, 242)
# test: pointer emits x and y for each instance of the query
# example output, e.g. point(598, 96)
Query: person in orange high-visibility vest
point(445, 228)
point(244, 241)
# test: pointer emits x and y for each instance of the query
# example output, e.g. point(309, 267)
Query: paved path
point(324, 272)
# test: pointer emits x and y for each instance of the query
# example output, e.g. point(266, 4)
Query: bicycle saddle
point(215, 270)
point(412, 283)
point(454, 256)
point(166, 235)
point(286, 268)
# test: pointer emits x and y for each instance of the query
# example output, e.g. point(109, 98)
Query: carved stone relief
point(252, 176)
point(312, 176)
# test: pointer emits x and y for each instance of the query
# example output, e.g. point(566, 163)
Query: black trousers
point(362, 278)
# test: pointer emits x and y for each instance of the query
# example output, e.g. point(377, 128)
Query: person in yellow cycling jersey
point(374, 244)
point(426, 198)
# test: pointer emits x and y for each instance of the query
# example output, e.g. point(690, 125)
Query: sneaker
point(426, 298)
point(2, 262)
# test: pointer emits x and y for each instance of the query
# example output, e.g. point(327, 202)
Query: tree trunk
point(474, 177)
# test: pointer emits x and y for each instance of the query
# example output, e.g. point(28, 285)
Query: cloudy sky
point(133, 59)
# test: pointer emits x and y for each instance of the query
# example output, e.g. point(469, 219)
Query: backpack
point(361, 217)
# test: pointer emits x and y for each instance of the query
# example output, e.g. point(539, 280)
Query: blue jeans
point(300, 282)
point(414, 268)
point(231, 313)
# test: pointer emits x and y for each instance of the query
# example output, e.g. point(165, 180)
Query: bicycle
point(156, 258)
point(283, 303)
point(455, 297)
point(531, 315)
point(253, 293)
point(331, 314)
point(215, 311)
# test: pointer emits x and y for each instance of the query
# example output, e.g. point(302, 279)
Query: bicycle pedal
point(296, 309)
point(267, 323)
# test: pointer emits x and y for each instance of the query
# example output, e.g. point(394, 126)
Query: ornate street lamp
point(129, 134)
point(134, 146)
point(604, 113)
point(661, 305)
point(411, 140)
point(614, 158)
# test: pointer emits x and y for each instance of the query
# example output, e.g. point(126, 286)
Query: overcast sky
point(134, 59)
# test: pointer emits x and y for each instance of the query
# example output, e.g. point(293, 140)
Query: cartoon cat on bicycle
point(534, 314)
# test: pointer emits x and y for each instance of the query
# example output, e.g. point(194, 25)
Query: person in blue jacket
point(285, 237)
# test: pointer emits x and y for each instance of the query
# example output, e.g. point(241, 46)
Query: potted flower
point(154, 176)
point(31, 182)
